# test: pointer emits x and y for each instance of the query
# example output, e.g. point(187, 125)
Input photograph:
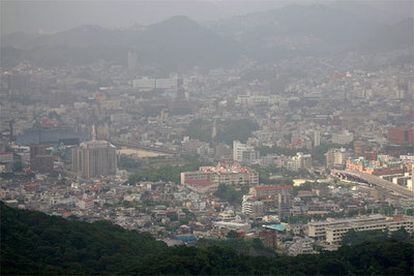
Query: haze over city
point(37, 16)
point(207, 137)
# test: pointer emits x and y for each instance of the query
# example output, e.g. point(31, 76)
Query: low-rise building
point(244, 153)
point(251, 207)
point(335, 233)
point(336, 158)
point(223, 173)
point(333, 230)
point(317, 229)
point(264, 191)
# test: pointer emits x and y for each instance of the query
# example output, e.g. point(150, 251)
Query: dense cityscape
point(295, 153)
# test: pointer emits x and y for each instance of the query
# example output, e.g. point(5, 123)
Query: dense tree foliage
point(353, 238)
point(128, 163)
point(318, 153)
point(227, 131)
point(200, 129)
point(35, 243)
point(164, 173)
point(230, 194)
point(236, 130)
point(278, 176)
point(280, 151)
point(251, 247)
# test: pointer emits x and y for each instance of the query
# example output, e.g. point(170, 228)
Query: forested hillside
point(35, 243)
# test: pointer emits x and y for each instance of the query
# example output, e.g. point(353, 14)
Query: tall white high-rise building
point(243, 153)
point(316, 138)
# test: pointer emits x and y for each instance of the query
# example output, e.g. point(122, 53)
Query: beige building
point(317, 229)
point(342, 138)
point(224, 173)
point(243, 153)
point(336, 158)
point(333, 230)
point(334, 234)
point(300, 161)
point(94, 158)
point(251, 207)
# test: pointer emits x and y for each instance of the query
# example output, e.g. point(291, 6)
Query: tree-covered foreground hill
point(35, 243)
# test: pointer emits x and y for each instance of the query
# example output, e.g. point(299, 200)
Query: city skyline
point(212, 138)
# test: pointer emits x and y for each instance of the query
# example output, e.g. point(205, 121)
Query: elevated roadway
point(376, 181)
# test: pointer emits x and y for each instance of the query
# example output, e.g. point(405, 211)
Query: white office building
point(244, 153)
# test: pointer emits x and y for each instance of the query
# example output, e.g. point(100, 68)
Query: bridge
point(375, 181)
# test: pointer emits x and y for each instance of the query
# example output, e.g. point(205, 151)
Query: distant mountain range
point(313, 29)
point(397, 36)
point(180, 43)
point(174, 43)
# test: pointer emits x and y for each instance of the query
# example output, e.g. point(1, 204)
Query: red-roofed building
point(224, 173)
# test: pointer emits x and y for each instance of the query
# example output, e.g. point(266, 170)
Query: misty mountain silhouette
point(179, 43)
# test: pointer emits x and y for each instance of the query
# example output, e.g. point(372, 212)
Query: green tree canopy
point(37, 244)
point(229, 193)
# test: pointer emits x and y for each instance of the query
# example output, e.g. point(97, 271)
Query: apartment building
point(332, 231)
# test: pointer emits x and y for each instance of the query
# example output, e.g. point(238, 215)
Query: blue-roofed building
point(276, 227)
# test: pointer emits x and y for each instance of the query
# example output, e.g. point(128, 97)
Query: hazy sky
point(50, 16)
point(57, 15)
